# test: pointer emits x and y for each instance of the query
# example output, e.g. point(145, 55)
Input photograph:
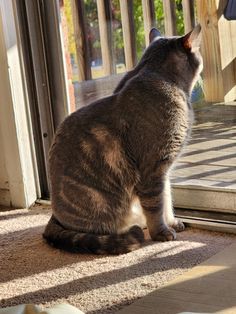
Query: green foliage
point(179, 17)
point(69, 22)
point(118, 42)
point(139, 27)
point(91, 13)
point(159, 15)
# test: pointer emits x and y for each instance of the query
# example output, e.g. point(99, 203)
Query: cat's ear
point(154, 33)
point(192, 40)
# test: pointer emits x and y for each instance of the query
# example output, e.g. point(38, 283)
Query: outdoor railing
point(127, 19)
point(218, 44)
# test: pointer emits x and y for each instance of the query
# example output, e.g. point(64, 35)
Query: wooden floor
point(208, 288)
point(209, 161)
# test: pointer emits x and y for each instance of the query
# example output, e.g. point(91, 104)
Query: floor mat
point(33, 272)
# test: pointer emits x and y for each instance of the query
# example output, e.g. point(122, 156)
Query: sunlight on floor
point(207, 288)
point(33, 272)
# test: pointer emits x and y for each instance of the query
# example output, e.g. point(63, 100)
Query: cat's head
point(176, 58)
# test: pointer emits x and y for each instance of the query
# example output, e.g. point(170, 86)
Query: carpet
point(33, 272)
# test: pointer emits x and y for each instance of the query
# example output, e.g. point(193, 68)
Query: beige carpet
point(33, 272)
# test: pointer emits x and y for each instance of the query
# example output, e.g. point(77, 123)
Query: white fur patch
point(167, 203)
point(135, 217)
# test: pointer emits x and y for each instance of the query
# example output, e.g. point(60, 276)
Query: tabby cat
point(110, 161)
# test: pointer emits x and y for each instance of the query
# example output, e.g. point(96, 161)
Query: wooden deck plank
point(211, 152)
point(205, 175)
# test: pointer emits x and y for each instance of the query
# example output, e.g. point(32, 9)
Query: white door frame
point(15, 127)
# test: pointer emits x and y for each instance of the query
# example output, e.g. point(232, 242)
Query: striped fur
point(109, 163)
point(76, 242)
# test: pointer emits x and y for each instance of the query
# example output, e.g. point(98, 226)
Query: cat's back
point(159, 114)
point(79, 125)
point(98, 112)
point(150, 98)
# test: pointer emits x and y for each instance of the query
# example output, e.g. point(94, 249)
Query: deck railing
point(128, 28)
point(219, 55)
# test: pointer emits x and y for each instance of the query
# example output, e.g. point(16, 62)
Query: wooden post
point(148, 18)
point(127, 19)
point(105, 29)
point(170, 17)
point(188, 11)
point(218, 51)
point(81, 41)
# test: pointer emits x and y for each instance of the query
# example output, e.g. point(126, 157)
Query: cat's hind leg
point(168, 210)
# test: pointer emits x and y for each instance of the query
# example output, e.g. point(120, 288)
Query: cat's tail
point(73, 241)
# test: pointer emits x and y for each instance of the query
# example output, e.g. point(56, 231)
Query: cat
point(110, 161)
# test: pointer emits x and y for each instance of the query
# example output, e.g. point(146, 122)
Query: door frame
point(43, 60)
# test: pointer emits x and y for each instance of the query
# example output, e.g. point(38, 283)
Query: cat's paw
point(167, 234)
point(178, 225)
